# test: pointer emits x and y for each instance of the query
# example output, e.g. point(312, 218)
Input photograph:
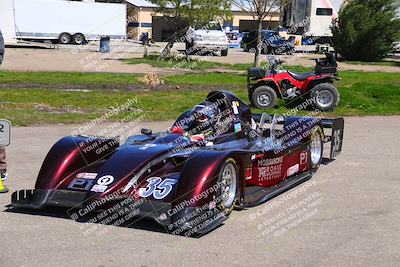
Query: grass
point(191, 63)
point(362, 93)
point(378, 63)
point(66, 78)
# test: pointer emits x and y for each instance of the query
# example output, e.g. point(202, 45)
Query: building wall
point(147, 20)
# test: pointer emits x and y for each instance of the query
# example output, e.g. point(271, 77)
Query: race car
point(188, 181)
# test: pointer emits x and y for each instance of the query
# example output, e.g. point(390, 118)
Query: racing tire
point(326, 97)
point(79, 38)
point(316, 147)
point(263, 97)
point(1, 59)
point(64, 38)
point(224, 52)
point(229, 180)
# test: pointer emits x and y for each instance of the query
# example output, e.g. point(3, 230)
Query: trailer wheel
point(65, 38)
point(79, 38)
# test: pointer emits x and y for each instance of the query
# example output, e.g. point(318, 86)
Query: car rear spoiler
point(335, 136)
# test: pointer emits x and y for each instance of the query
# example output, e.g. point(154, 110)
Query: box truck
point(68, 21)
point(311, 17)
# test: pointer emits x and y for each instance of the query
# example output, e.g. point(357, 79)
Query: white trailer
point(314, 17)
point(68, 21)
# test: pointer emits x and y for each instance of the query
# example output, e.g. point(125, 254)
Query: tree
point(366, 30)
point(259, 10)
point(186, 13)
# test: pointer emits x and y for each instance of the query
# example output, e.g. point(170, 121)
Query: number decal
point(157, 187)
point(1, 128)
point(153, 182)
point(164, 188)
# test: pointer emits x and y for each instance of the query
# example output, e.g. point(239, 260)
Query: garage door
point(251, 25)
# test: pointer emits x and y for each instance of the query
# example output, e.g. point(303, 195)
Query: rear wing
point(336, 137)
point(333, 131)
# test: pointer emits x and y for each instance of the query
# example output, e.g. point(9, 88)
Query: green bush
point(366, 29)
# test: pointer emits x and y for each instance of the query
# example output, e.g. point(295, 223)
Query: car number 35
point(157, 187)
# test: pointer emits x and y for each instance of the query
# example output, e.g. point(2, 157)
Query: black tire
point(224, 52)
point(1, 59)
point(226, 205)
point(79, 38)
point(316, 157)
point(64, 38)
point(263, 97)
point(326, 97)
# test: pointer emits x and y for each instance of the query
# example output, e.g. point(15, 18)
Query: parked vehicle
point(2, 48)
point(210, 38)
point(68, 21)
point(265, 87)
point(272, 43)
point(235, 38)
point(189, 185)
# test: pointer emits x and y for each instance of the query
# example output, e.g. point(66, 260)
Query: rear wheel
point(1, 59)
point(64, 38)
point(316, 147)
point(263, 97)
point(224, 52)
point(326, 96)
point(79, 38)
point(228, 181)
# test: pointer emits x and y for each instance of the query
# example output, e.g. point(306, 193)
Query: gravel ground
point(70, 58)
point(356, 220)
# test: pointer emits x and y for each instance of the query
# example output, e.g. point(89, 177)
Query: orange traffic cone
point(3, 189)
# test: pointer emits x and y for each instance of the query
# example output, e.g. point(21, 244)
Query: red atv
point(266, 86)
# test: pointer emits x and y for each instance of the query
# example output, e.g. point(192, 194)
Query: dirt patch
point(134, 87)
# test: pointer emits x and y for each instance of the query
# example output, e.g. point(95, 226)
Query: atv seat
point(301, 76)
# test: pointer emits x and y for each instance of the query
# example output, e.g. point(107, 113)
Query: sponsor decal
point(272, 161)
point(105, 180)
point(270, 169)
point(292, 170)
point(147, 146)
point(248, 173)
point(238, 127)
point(86, 175)
point(303, 158)
point(99, 188)
point(102, 183)
point(235, 105)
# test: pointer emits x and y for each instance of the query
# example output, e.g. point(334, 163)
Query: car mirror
point(146, 131)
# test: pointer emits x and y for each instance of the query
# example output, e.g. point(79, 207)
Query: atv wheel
point(326, 96)
point(263, 97)
point(228, 179)
point(224, 52)
point(316, 147)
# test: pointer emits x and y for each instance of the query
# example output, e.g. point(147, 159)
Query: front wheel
point(263, 97)
point(326, 97)
point(228, 186)
point(224, 52)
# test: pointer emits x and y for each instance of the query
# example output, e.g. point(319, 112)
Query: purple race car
point(214, 158)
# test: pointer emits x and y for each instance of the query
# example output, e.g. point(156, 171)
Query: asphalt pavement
point(347, 215)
